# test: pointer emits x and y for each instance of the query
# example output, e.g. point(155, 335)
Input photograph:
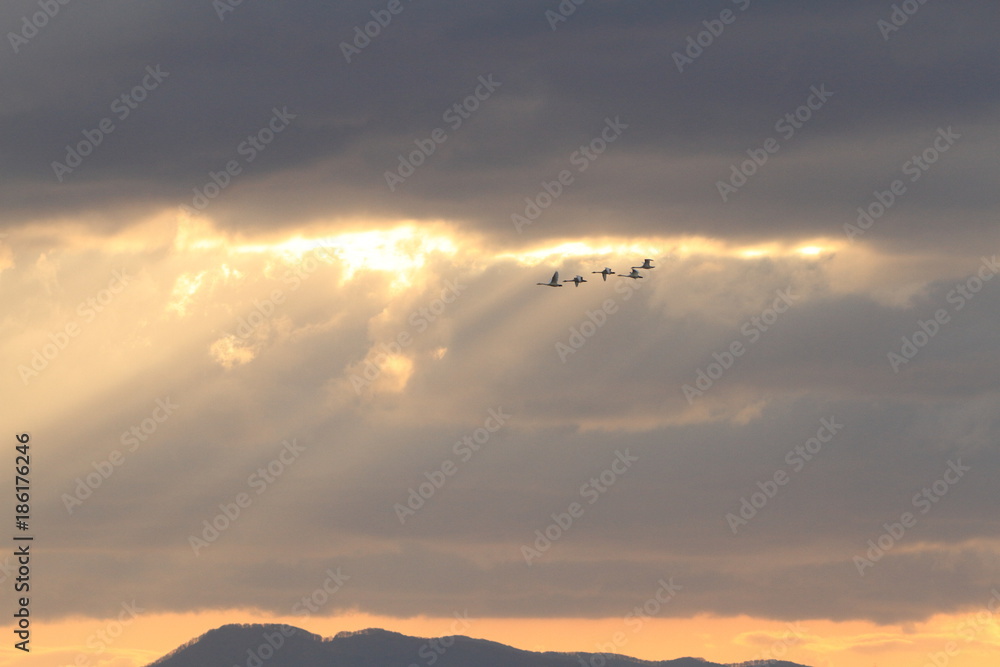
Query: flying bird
point(605, 273)
point(634, 275)
point(552, 283)
point(646, 264)
point(576, 280)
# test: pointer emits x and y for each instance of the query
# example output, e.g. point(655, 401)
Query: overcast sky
point(257, 236)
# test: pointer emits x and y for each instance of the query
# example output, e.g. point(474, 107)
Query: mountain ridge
point(275, 645)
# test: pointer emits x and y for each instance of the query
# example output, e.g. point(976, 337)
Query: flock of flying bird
point(576, 280)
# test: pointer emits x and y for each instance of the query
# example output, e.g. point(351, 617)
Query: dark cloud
point(353, 120)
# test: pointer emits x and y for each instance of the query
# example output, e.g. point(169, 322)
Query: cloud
point(270, 336)
point(352, 121)
point(233, 246)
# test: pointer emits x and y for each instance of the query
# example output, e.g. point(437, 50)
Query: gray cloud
point(354, 119)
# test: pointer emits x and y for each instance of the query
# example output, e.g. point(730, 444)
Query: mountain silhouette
point(286, 646)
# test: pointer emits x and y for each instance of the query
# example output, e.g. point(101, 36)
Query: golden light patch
point(379, 373)
point(6, 255)
point(396, 372)
point(598, 248)
point(403, 249)
point(231, 351)
point(663, 248)
point(185, 288)
point(47, 272)
point(196, 234)
point(188, 286)
point(809, 250)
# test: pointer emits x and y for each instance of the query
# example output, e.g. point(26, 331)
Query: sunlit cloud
point(231, 351)
point(666, 248)
point(185, 288)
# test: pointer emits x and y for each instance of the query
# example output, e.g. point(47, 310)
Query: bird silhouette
point(552, 283)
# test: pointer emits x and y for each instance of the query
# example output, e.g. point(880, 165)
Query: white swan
point(552, 283)
point(576, 280)
point(646, 264)
point(634, 275)
point(605, 273)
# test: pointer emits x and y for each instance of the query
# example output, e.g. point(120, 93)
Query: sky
point(271, 324)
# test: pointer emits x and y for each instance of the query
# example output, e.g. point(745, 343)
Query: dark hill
point(285, 646)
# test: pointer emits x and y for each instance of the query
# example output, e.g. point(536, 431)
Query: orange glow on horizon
point(817, 643)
